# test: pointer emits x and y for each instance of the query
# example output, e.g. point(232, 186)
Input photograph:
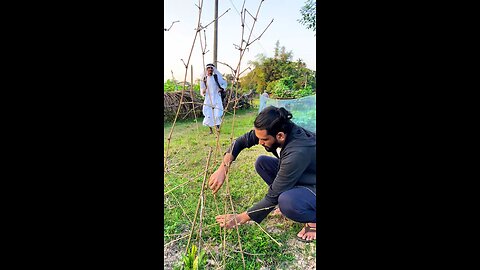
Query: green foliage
point(307, 91)
point(270, 86)
point(169, 86)
point(276, 74)
point(283, 88)
point(309, 15)
point(193, 262)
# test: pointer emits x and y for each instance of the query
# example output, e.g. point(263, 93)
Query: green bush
point(270, 87)
point(286, 88)
point(303, 92)
point(283, 88)
point(169, 86)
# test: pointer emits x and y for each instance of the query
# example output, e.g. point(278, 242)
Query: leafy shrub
point(169, 86)
point(303, 92)
point(283, 88)
point(270, 86)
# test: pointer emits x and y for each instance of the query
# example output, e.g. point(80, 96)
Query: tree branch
point(170, 26)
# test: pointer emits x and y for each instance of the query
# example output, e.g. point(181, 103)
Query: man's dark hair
point(274, 120)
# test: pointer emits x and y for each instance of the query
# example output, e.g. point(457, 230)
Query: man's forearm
point(228, 159)
point(247, 140)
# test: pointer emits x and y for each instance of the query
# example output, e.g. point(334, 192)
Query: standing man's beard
point(272, 148)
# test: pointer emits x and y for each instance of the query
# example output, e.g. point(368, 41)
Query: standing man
point(291, 175)
point(210, 86)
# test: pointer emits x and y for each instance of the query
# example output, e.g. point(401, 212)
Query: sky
point(285, 28)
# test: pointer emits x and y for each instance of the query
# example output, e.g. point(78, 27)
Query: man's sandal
point(307, 230)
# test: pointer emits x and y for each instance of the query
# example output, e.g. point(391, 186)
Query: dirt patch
point(305, 254)
point(171, 255)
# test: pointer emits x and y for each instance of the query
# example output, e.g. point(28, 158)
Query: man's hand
point(216, 180)
point(228, 221)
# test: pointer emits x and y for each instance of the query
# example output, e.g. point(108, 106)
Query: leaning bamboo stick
point(198, 205)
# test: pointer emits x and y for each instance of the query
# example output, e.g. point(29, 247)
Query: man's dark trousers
point(298, 203)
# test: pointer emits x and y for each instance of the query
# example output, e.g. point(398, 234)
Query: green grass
point(188, 152)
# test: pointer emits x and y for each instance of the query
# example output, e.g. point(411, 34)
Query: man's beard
point(272, 148)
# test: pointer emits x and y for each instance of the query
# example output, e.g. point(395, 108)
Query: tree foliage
point(309, 15)
point(170, 86)
point(280, 76)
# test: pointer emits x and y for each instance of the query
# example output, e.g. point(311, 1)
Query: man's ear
point(280, 136)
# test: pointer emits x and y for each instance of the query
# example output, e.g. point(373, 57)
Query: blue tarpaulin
point(304, 110)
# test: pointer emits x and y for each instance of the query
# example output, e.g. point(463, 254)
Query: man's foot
point(277, 212)
point(308, 233)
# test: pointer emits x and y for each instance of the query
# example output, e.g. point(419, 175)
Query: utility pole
point(215, 28)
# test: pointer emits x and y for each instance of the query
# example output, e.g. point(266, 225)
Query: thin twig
point(170, 26)
point(181, 207)
point(205, 38)
point(233, 70)
point(244, 70)
point(175, 240)
point(182, 184)
point(184, 63)
point(260, 34)
point(279, 244)
point(233, 211)
point(261, 209)
point(214, 20)
point(248, 253)
point(202, 197)
point(251, 15)
point(193, 105)
point(198, 205)
point(174, 234)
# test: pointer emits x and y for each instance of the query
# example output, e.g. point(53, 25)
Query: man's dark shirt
point(296, 166)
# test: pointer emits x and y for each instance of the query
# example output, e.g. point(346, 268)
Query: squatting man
point(290, 175)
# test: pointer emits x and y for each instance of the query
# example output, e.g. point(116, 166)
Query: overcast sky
point(285, 28)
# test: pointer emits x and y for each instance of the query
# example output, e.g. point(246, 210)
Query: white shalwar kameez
point(212, 104)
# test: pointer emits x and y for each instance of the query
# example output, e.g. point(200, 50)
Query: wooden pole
point(215, 34)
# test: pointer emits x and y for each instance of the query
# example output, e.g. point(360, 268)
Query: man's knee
point(260, 163)
point(286, 204)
